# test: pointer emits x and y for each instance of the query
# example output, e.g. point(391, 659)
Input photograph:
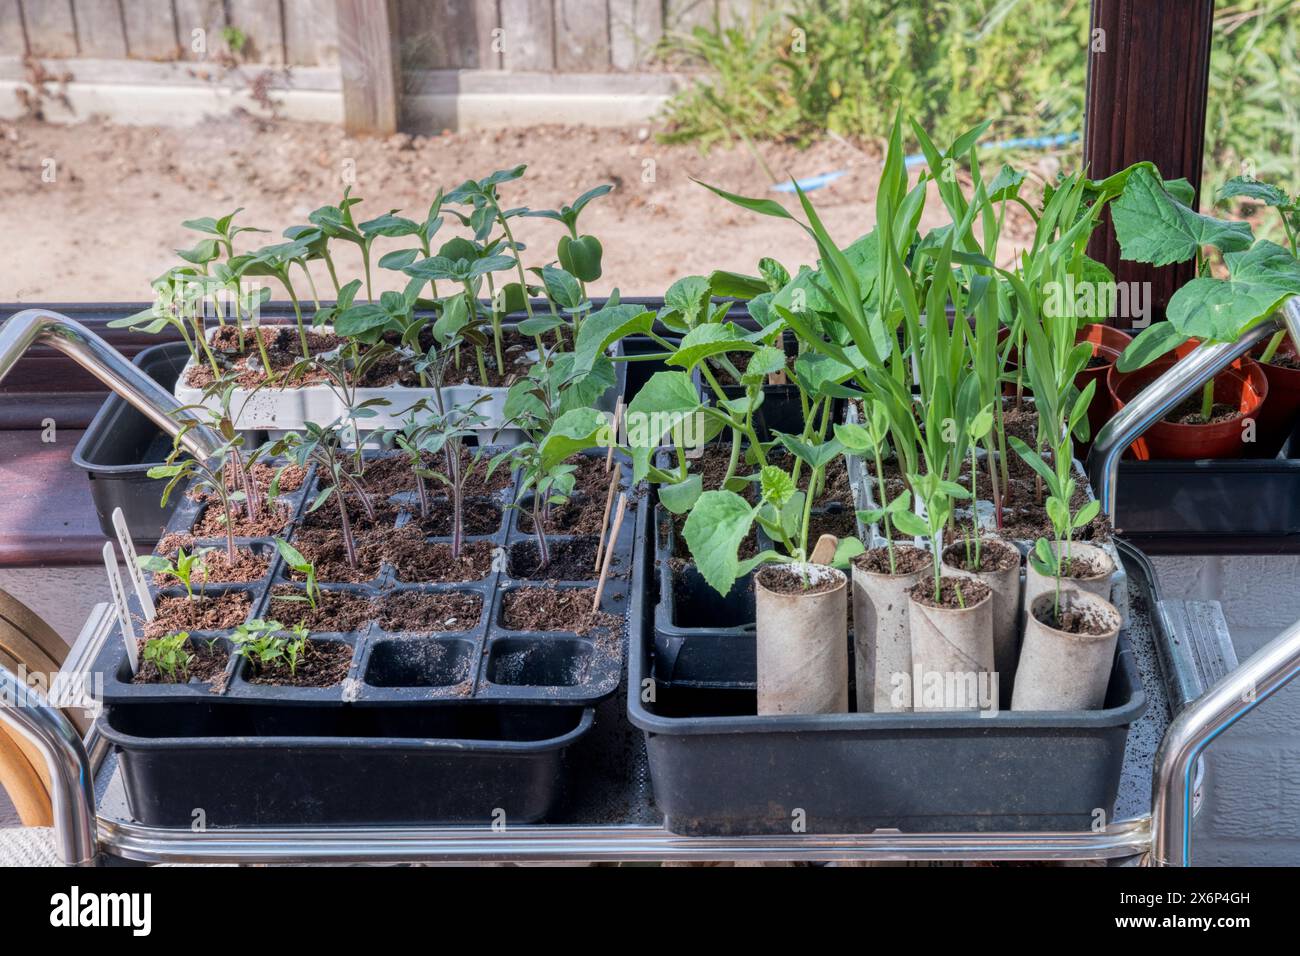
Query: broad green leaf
point(581, 256)
point(735, 285)
point(777, 486)
point(602, 329)
point(911, 524)
point(1154, 226)
point(562, 287)
point(574, 431)
point(714, 531)
point(710, 339)
point(1149, 344)
point(1242, 187)
point(679, 498)
point(661, 402)
point(845, 551)
point(1218, 310)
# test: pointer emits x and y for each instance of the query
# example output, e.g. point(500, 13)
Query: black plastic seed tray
point(121, 444)
point(1229, 506)
point(718, 768)
point(481, 661)
point(274, 766)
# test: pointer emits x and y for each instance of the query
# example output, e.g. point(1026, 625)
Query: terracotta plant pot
point(1277, 418)
point(1243, 385)
point(1107, 344)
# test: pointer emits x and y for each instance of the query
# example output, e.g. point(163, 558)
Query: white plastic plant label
point(133, 564)
point(119, 601)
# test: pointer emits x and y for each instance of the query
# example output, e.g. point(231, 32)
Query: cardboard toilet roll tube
point(882, 643)
point(1005, 585)
point(802, 635)
point(1098, 584)
point(952, 655)
point(1063, 671)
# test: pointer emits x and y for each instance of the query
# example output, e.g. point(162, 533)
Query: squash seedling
point(169, 655)
point(297, 562)
point(187, 568)
point(579, 255)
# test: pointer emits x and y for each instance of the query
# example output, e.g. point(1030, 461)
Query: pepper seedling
point(169, 656)
point(297, 562)
point(264, 644)
point(185, 569)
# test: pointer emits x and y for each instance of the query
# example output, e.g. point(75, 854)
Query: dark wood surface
point(1148, 77)
point(48, 517)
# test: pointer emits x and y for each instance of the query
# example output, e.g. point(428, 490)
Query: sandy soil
point(110, 219)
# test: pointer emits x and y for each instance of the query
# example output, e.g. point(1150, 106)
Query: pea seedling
point(872, 436)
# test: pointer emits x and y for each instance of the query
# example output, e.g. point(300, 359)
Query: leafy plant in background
point(186, 569)
point(799, 68)
point(169, 655)
point(1155, 223)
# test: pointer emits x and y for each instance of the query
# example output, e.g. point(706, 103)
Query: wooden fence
point(575, 36)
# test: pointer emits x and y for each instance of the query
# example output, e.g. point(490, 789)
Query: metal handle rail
point(71, 771)
point(42, 327)
point(1164, 394)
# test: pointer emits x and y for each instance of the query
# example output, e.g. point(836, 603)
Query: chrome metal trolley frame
point(1201, 691)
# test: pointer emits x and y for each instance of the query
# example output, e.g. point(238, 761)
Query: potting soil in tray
point(494, 627)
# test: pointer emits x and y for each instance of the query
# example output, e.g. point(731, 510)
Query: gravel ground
point(93, 211)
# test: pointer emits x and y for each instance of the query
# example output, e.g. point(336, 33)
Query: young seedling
point(1062, 486)
point(294, 558)
point(976, 429)
point(322, 446)
point(872, 437)
point(170, 656)
point(937, 496)
point(445, 433)
point(264, 644)
point(186, 568)
point(209, 476)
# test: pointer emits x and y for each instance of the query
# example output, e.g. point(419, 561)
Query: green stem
point(1271, 349)
point(1207, 401)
